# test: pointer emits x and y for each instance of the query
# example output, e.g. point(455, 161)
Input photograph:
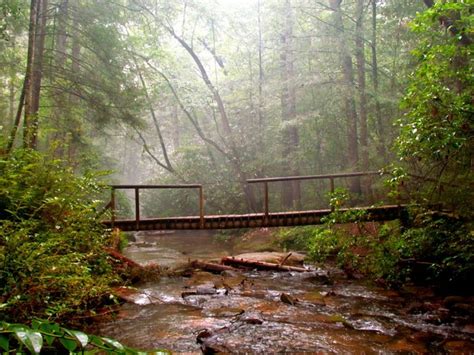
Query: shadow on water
point(246, 312)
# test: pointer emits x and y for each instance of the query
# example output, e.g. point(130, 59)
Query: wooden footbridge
point(250, 220)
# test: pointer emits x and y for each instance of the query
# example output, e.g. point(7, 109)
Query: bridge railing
point(137, 189)
point(330, 177)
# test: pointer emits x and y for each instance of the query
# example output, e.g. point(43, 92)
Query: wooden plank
point(276, 219)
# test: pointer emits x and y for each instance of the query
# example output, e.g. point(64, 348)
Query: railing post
point(112, 206)
point(137, 207)
point(332, 190)
point(201, 207)
point(266, 199)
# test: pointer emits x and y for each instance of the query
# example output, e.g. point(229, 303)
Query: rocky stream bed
point(252, 311)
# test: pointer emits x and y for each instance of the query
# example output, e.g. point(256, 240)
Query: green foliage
point(328, 241)
point(51, 337)
point(437, 133)
point(9, 11)
point(437, 249)
point(51, 240)
point(338, 197)
point(295, 238)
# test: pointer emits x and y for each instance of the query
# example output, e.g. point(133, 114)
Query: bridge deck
point(253, 220)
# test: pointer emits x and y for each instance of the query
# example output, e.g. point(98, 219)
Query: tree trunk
point(176, 128)
point(76, 44)
point(225, 125)
point(11, 87)
point(261, 265)
point(26, 102)
point(61, 35)
point(360, 58)
point(60, 110)
point(261, 118)
point(40, 34)
point(156, 123)
point(16, 124)
point(375, 82)
point(73, 126)
point(348, 93)
point(291, 194)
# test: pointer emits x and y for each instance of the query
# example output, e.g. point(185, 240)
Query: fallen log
point(122, 258)
point(212, 267)
point(261, 265)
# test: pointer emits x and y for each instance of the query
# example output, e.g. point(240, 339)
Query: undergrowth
point(436, 248)
point(52, 262)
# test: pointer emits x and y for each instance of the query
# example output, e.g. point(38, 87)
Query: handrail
point(331, 178)
point(265, 181)
point(137, 198)
point(313, 177)
point(174, 186)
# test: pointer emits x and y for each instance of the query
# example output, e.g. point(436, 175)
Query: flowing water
point(268, 312)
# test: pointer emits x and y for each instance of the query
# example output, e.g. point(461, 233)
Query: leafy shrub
point(44, 336)
point(296, 238)
point(51, 240)
point(437, 249)
point(436, 133)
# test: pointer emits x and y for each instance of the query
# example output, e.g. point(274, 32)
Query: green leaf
point(52, 328)
point(69, 344)
point(36, 340)
point(5, 342)
point(48, 338)
point(97, 341)
point(32, 340)
point(114, 343)
point(81, 337)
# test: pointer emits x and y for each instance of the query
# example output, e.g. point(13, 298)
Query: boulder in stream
point(288, 299)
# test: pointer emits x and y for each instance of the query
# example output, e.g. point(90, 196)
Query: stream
point(267, 312)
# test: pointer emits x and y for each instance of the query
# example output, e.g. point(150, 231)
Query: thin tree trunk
point(61, 35)
point(375, 81)
point(38, 71)
point(360, 58)
point(72, 126)
point(11, 86)
point(176, 129)
point(291, 195)
point(155, 121)
point(236, 158)
point(261, 118)
point(76, 44)
point(16, 124)
point(60, 110)
point(27, 98)
point(348, 93)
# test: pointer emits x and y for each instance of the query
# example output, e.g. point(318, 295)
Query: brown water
point(245, 313)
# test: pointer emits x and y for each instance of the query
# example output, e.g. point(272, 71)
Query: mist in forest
point(214, 92)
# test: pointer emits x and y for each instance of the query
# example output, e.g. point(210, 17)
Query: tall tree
point(375, 82)
point(235, 159)
point(39, 9)
point(291, 194)
point(348, 93)
point(360, 59)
